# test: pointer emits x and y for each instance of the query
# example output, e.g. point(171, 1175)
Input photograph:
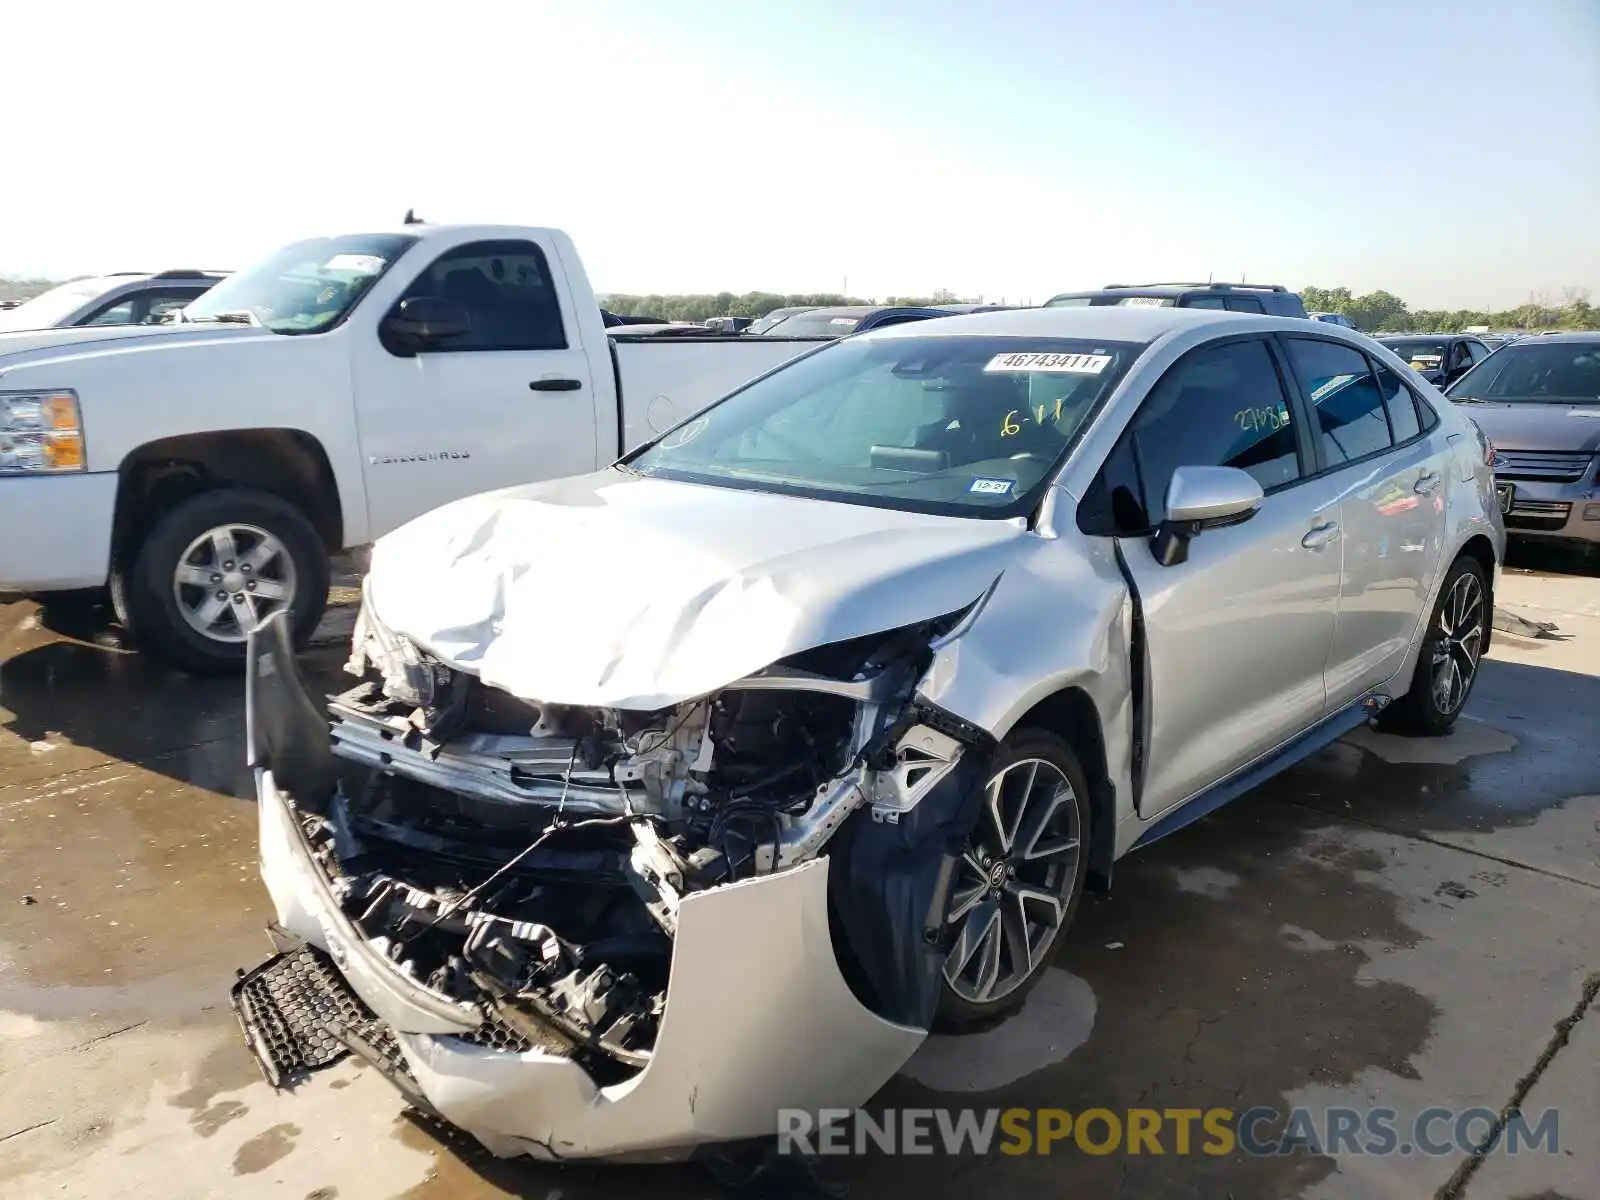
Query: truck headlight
point(40, 433)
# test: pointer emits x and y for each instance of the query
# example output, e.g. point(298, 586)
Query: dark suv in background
point(1271, 298)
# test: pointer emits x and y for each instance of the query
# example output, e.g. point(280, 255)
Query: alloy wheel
point(230, 579)
point(1014, 884)
point(1458, 643)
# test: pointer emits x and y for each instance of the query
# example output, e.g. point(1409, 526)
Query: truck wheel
point(212, 566)
point(1447, 665)
point(1017, 886)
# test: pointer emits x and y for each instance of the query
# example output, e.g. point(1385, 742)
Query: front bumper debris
point(294, 1009)
point(298, 1016)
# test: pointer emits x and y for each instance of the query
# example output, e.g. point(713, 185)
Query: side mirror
point(422, 322)
point(1201, 498)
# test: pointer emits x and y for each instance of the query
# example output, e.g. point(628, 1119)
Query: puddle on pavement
point(122, 889)
point(265, 1148)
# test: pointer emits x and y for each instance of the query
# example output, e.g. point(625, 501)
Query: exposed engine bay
point(527, 862)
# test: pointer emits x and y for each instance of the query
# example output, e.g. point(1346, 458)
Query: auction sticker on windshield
point(992, 487)
point(1071, 364)
point(361, 264)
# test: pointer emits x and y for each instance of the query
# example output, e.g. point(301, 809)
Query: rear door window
point(1400, 403)
point(1352, 422)
point(1244, 304)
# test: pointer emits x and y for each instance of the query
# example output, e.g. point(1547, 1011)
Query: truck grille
point(1558, 466)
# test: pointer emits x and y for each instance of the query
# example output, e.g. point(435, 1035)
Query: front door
point(510, 402)
point(1392, 474)
point(1236, 636)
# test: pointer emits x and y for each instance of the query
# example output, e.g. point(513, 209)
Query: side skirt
point(1331, 729)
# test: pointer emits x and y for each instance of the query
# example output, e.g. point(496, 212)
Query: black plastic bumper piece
point(298, 1015)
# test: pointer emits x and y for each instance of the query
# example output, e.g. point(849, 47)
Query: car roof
point(1174, 289)
point(1118, 323)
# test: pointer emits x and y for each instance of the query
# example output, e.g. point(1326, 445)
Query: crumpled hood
point(612, 590)
point(1570, 427)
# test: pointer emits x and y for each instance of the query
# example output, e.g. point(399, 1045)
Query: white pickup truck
point(204, 470)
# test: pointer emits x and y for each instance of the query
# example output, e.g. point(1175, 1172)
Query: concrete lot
point(1394, 922)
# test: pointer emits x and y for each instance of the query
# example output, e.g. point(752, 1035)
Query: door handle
point(1320, 535)
point(1426, 482)
point(555, 385)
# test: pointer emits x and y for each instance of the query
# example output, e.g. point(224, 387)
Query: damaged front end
point(586, 932)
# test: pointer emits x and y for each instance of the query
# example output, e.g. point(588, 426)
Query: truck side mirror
point(423, 322)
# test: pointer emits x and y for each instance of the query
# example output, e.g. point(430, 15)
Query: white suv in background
point(125, 298)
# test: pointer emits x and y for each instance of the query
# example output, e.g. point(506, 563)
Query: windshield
point(1426, 353)
point(965, 426)
point(774, 317)
point(817, 323)
point(307, 287)
point(49, 309)
point(1534, 373)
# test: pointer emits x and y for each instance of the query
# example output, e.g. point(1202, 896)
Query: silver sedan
point(708, 784)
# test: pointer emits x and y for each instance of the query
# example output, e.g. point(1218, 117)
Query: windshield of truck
point(1534, 373)
point(49, 309)
point(964, 426)
point(308, 287)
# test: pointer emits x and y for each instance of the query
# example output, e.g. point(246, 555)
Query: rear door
point(1388, 472)
point(1236, 636)
point(510, 402)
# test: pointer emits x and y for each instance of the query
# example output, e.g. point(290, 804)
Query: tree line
point(1372, 312)
point(1384, 311)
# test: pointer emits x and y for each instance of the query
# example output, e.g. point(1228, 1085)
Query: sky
point(1448, 152)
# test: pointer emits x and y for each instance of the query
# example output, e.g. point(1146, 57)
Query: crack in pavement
point(1439, 842)
point(1457, 1183)
point(106, 1037)
point(16, 1133)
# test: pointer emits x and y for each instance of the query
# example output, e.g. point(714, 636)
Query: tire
point(1425, 710)
point(281, 560)
point(1053, 874)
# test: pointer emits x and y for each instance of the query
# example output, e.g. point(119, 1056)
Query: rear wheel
point(1452, 648)
point(1017, 887)
point(214, 566)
